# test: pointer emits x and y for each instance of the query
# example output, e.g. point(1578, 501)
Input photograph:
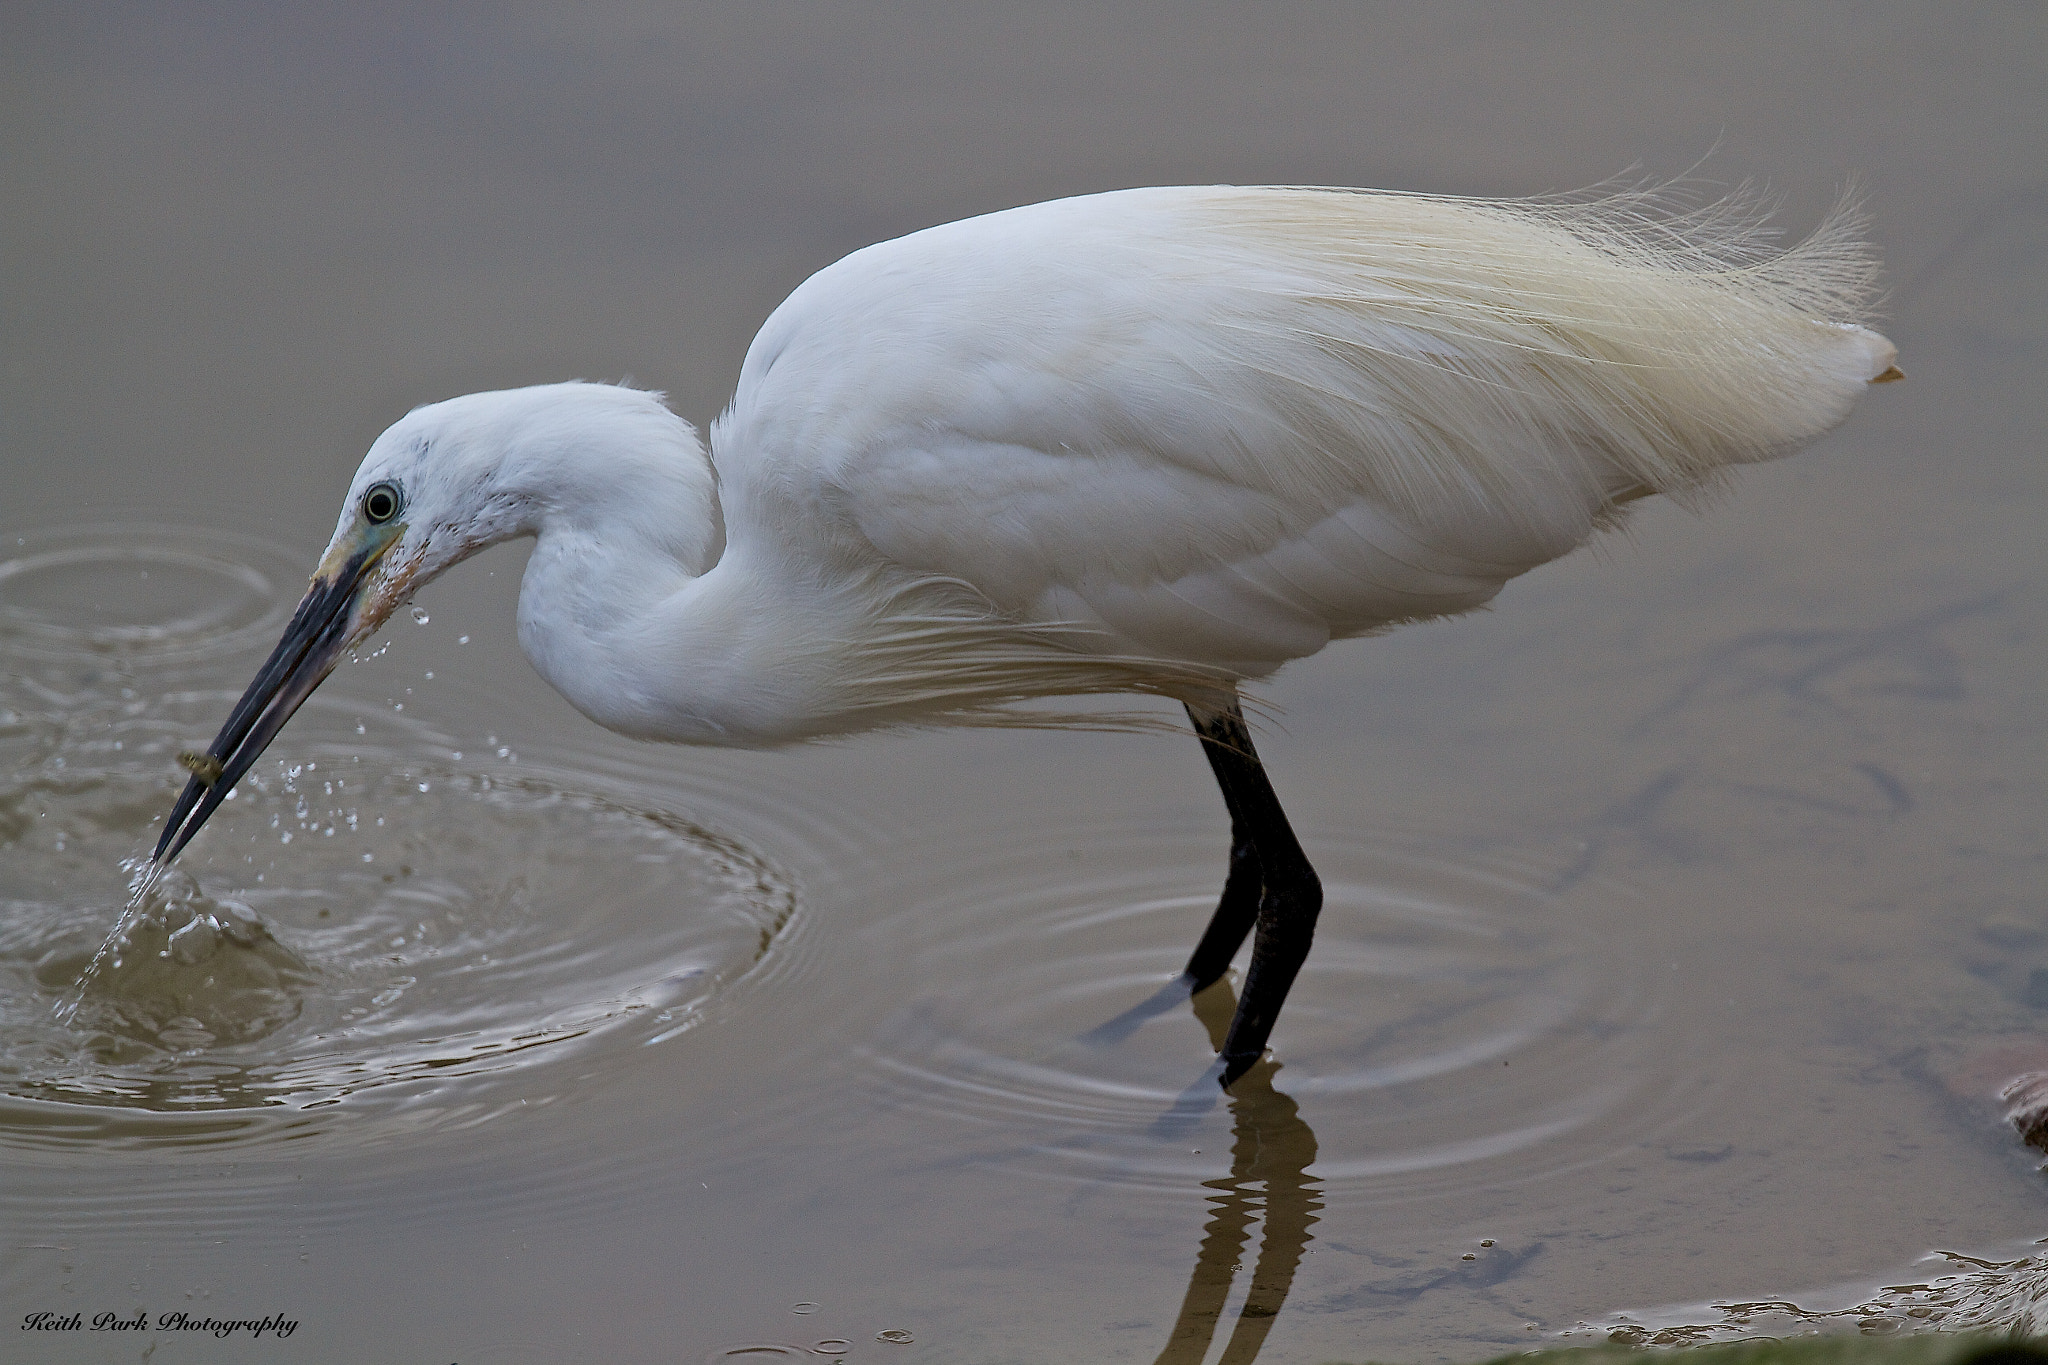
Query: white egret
point(1158, 441)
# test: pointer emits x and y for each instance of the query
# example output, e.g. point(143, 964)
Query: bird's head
point(442, 483)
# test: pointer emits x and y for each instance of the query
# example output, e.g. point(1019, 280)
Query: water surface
point(1685, 912)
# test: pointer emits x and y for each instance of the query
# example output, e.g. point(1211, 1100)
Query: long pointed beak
point(325, 623)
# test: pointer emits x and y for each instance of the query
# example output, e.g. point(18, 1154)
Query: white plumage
point(1160, 441)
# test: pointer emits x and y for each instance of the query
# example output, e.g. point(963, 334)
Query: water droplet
point(462, 639)
point(833, 1346)
point(419, 615)
point(806, 1307)
point(895, 1335)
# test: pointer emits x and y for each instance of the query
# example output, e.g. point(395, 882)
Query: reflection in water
point(1272, 1147)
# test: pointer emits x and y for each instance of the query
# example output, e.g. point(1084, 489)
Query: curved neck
point(635, 607)
point(644, 646)
point(619, 607)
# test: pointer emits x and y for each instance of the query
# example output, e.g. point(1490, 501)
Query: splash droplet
point(419, 615)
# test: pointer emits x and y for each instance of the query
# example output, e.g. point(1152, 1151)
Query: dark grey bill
point(310, 649)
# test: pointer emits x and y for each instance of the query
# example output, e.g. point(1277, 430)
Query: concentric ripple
point(379, 927)
point(143, 593)
point(1456, 1021)
point(351, 966)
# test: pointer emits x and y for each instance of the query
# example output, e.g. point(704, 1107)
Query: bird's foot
point(1235, 1065)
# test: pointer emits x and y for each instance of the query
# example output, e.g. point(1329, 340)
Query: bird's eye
point(381, 502)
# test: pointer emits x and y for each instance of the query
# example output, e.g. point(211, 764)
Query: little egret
point(1158, 441)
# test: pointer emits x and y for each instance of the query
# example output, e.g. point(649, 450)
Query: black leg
point(1238, 908)
point(1271, 887)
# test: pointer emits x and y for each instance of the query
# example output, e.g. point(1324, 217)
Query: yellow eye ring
point(381, 502)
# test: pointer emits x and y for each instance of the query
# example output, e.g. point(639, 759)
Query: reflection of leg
point(1202, 1306)
point(1264, 854)
point(1272, 1145)
point(1275, 1146)
point(1214, 1009)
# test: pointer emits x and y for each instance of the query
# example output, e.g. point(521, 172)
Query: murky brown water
point(1685, 911)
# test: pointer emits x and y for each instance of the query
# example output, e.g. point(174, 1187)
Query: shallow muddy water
point(1685, 912)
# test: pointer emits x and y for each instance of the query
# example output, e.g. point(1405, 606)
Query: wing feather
point(1223, 425)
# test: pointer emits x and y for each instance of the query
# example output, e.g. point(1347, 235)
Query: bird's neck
point(652, 646)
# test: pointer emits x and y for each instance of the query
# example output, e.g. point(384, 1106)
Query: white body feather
point(1153, 441)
